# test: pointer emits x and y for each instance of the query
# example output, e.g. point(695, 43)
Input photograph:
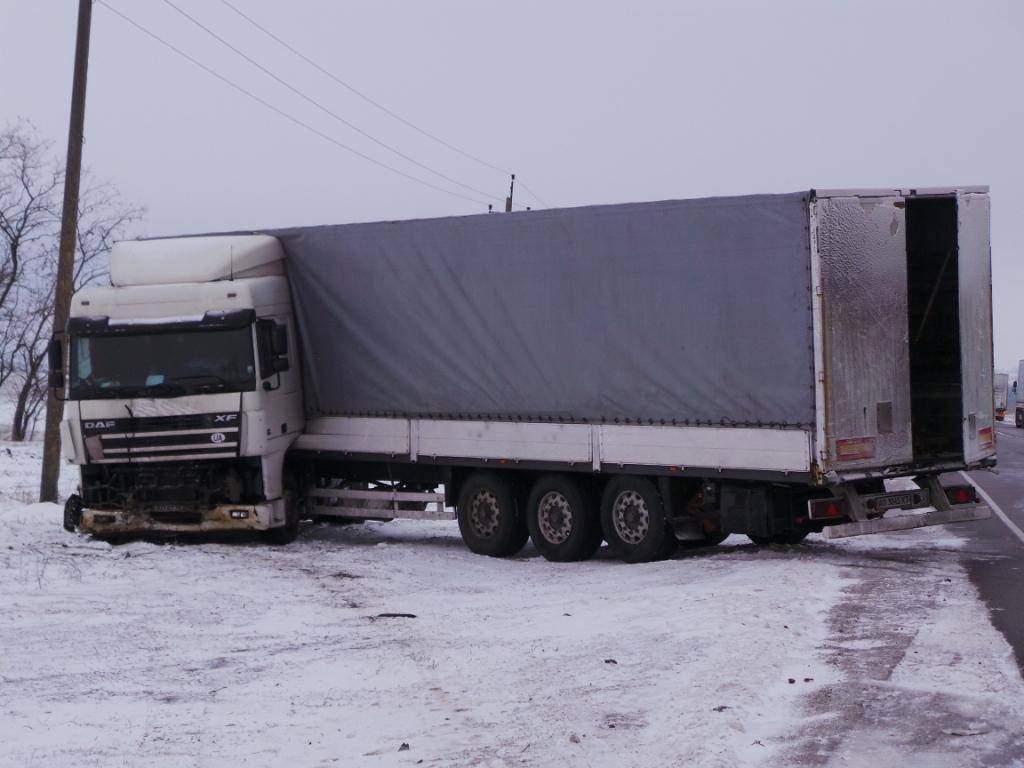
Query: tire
point(287, 533)
point(72, 512)
point(490, 519)
point(1018, 418)
point(633, 520)
point(562, 520)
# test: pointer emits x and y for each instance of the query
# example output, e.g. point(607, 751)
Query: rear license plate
point(901, 500)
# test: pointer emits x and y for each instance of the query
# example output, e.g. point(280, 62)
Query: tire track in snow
point(926, 681)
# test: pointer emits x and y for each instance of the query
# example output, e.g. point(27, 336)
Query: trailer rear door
point(906, 314)
point(975, 269)
point(861, 243)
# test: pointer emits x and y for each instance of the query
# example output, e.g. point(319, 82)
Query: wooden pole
point(66, 257)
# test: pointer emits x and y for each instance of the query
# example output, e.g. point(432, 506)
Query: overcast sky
point(587, 101)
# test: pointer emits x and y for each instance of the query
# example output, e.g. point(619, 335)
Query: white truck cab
point(182, 397)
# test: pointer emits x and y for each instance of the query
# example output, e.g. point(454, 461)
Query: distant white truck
point(1000, 390)
point(643, 374)
point(1018, 408)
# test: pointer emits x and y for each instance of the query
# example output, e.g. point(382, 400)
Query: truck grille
point(172, 491)
point(162, 438)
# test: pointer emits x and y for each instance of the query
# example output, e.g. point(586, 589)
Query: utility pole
point(66, 257)
point(511, 192)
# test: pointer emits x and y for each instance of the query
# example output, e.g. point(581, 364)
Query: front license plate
point(168, 507)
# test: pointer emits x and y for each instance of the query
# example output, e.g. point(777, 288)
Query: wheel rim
point(630, 517)
point(554, 517)
point(484, 513)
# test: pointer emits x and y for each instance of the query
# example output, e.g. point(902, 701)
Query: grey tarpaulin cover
point(684, 311)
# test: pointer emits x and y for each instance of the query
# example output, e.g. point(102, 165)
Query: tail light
point(961, 494)
point(819, 509)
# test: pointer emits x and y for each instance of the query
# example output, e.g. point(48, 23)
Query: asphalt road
point(994, 555)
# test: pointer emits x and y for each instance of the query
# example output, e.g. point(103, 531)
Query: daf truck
point(647, 374)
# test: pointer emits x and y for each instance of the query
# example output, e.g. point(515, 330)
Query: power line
point(363, 96)
point(533, 194)
point(322, 108)
point(352, 89)
point(281, 112)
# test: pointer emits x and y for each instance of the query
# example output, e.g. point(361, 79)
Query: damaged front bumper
point(120, 522)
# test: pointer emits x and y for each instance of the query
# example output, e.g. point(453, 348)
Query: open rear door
point(975, 267)
point(861, 243)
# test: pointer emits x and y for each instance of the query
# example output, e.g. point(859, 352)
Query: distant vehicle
point(645, 374)
point(1018, 408)
point(1001, 383)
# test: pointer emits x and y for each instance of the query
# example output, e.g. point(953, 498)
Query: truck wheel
point(633, 520)
point(288, 532)
point(562, 520)
point(1018, 418)
point(72, 512)
point(490, 520)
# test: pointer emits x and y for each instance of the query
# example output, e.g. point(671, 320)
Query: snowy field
point(390, 644)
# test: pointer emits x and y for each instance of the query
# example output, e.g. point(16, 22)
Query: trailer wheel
point(634, 522)
point(562, 519)
point(490, 520)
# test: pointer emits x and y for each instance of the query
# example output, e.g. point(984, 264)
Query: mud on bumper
point(224, 517)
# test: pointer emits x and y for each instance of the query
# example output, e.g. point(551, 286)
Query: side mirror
point(272, 345)
point(55, 364)
point(279, 340)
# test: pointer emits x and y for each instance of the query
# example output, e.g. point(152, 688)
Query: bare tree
point(102, 217)
point(10, 343)
point(29, 183)
point(29, 226)
point(29, 379)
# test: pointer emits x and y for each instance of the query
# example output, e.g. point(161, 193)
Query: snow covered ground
point(390, 644)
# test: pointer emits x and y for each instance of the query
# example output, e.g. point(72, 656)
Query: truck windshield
point(162, 364)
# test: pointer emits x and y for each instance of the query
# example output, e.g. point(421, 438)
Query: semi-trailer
point(643, 374)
